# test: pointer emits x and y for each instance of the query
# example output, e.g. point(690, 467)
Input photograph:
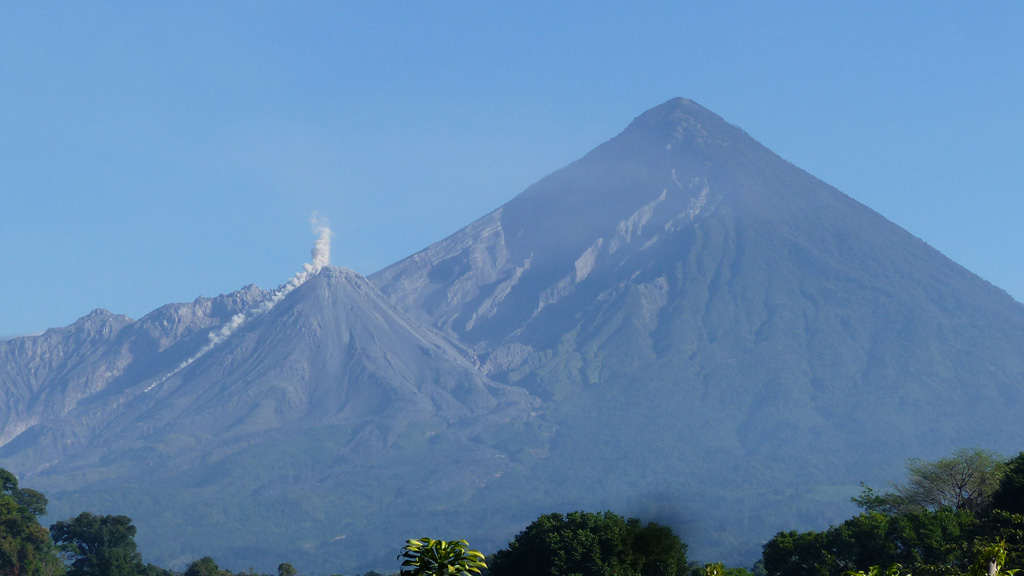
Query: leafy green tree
point(428, 557)
point(205, 566)
point(1006, 529)
point(871, 501)
point(8, 482)
point(590, 544)
point(948, 511)
point(656, 549)
point(286, 569)
point(991, 561)
point(926, 543)
point(25, 546)
point(154, 570)
point(797, 554)
point(1009, 496)
point(98, 545)
point(34, 501)
point(966, 480)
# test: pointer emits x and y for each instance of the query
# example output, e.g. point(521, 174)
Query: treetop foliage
point(592, 544)
point(955, 515)
point(27, 497)
point(961, 515)
point(25, 546)
point(966, 480)
point(98, 545)
point(1009, 497)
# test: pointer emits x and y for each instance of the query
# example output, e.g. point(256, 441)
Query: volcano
point(680, 326)
point(722, 339)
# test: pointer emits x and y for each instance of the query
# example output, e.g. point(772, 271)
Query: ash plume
point(321, 256)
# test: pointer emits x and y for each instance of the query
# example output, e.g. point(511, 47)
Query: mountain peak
point(102, 321)
point(681, 124)
point(676, 111)
point(334, 273)
point(678, 104)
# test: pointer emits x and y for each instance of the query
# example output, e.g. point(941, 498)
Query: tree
point(591, 544)
point(286, 569)
point(428, 557)
point(154, 570)
point(657, 549)
point(205, 566)
point(8, 482)
point(1009, 496)
point(25, 547)
point(797, 554)
point(966, 480)
point(98, 545)
point(990, 562)
point(33, 501)
point(27, 497)
point(926, 543)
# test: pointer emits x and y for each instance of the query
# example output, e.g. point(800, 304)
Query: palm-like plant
point(990, 561)
point(428, 557)
point(893, 570)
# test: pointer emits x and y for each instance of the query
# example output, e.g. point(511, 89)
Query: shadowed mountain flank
point(755, 341)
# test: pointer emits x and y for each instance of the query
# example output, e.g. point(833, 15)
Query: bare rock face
point(47, 376)
point(336, 351)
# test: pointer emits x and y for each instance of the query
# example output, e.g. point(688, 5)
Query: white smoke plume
point(321, 257)
point(322, 247)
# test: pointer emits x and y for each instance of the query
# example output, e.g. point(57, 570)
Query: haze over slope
point(739, 334)
point(684, 241)
point(680, 326)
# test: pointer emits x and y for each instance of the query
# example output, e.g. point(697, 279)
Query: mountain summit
point(711, 233)
point(733, 329)
point(679, 326)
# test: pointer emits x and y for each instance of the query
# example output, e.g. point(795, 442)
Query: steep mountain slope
point(47, 376)
point(721, 338)
point(679, 207)
point(315, 415)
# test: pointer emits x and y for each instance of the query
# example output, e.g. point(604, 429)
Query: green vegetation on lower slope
point(958, 515)
point(949, 513)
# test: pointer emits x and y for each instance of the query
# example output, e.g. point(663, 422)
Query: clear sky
point(154, 152)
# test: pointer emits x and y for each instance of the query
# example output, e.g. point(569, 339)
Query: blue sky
point(151, 153)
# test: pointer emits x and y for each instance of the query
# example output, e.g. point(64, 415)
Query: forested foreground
point(961, 515)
